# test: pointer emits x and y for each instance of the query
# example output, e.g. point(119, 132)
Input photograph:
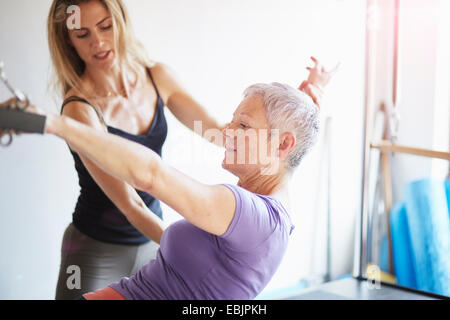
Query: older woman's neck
point(264, 184)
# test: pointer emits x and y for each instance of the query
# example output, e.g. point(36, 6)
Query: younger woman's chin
point(105, 65)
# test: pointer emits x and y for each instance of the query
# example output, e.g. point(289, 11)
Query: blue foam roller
point(447, 192)
point(384, 254)
point(404, 269)
point(429, 226)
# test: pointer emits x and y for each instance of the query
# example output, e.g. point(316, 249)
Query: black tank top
point(95, 215)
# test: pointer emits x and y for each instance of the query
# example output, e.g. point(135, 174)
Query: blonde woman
point(109, 84)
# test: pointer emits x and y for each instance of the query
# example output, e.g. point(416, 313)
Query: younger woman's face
point(94, 41)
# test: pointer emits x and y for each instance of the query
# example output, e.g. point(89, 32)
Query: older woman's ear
point(287, 143)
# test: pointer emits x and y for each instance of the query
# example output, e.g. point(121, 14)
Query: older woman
point(233, 237)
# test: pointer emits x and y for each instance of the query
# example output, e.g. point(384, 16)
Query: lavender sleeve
point(254, 221)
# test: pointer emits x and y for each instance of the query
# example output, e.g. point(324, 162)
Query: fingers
point(16, 133)
point(322, 69)
point(14, 103)
point(317, 64)
point(8, 103)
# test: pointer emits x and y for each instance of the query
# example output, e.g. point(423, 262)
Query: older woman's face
point(248, 139)
point(94, 41)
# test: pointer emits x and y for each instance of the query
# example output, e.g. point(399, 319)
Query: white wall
point(38, 186)
point(217, 48)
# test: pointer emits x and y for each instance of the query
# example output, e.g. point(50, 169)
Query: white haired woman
point(233, 238)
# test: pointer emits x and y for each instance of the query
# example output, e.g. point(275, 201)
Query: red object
point(104, 294)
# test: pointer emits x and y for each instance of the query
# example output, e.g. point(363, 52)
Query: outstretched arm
point(317, 80)
point(124, 197)
point(209, 207)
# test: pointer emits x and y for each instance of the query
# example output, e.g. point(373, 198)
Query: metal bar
point(385, 145)
point(395, 81)
point(359, 255)
point(328, 213)
point(386, 171)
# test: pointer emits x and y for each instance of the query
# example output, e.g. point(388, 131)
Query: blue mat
point(428, 219)
point(401, 247)
point(384, 254)
point(447, 192)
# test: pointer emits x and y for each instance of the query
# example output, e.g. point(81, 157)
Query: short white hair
point(289, 110)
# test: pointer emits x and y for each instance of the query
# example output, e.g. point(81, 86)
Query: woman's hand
point(317, 80)
point(51, 119)
point(11, 103)
point(318, 76)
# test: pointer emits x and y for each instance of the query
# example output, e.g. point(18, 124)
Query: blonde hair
point(67, 64)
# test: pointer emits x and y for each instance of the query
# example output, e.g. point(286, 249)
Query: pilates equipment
point(366, 282)
point(14, 117)
point(395, 219)
point(387, 146)
point(428, 223)
point(21, 97)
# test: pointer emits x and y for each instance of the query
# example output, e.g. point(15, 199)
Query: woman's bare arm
point(182, 105)
point(209, 207)
point(124, 196)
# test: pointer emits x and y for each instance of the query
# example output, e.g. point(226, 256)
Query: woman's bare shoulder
point(160, 69)
point(80, 110)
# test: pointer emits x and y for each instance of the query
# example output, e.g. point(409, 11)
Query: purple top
point(194, 264)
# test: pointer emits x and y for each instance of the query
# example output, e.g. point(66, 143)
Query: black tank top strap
point(153, 81)
point(95, 215)
point(75, 98)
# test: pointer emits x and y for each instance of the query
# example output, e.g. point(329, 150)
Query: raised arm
point(317, 80)
point(187, 110)
point(182, 105)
